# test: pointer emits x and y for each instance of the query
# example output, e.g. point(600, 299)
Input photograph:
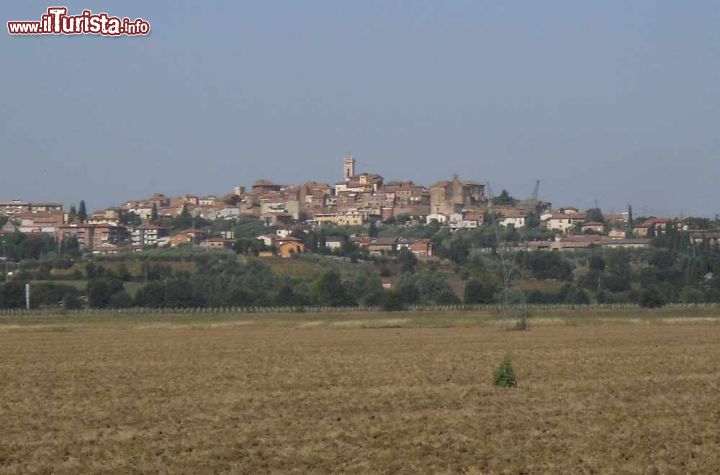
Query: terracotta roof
point(263, 182)
point(567, 216)
point(192, 230)
point(283, 240)
point(384, 241)
point(658, 221)
point(150, 226)
point(581, 238)
point(511, 213)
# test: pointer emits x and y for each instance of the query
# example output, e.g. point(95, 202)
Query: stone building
point(448, 197)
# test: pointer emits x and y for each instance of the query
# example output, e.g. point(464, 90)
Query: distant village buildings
point(358, 199)
point(456, 196)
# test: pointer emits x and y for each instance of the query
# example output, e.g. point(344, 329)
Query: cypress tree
point(82, 212)
point(72, 214)
point(154, 213)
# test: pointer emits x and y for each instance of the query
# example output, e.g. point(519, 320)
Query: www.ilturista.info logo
point(57, 22)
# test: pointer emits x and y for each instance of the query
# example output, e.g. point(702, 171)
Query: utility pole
point(522, 319)
point(5, 260)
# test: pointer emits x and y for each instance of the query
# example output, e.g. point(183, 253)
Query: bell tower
point(348, 166)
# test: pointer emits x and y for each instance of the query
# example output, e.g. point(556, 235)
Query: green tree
point(285, 295)
point(185, 212)
point(12, 294)
point(187, 220)
point(426, 287)
point(71, 301)
point(651, 298)
point(50, 293)
point(546, 265)
point(595, 215)
point(575, 296)
point(82, 212)
point(408, 292)
point(249, 246)
point(94, 271)
point(504, 375)
point(101, 291)
point(618, 273)
point(394, 301)
point(123, 272)
point(328, 290)
point(154, 215)
point(151, 295)
point(447, 297)
point(155, 270)
point(366, 288)
point(459, 248)
point(691, 295)
point(179, 293)
point(120, 299)
point(72, 214)
point(477, 293)
point(591, 279)
point(19, 246)
point(372, 230)
point(407, 260)
point(532, 221)
point(596, 262)
point(504, 198)
point(130, 219)
point(220, 281)
point(70, 246)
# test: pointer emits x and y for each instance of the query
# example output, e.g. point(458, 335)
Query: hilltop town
point(360, 199)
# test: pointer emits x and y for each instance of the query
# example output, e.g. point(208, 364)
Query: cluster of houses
point(357, 199)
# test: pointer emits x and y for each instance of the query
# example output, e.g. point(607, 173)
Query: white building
point(333, 243)
point(440, 218)
point(514, 218)
point(563, 221)
point(148, 235)
point(267, 239)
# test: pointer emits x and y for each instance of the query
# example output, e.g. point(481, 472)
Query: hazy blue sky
point(615, 101)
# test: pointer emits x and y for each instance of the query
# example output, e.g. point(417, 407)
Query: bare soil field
point(360, 392)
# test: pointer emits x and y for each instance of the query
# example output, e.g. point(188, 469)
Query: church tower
point(348, 167)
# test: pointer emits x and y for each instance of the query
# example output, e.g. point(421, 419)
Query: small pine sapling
point(504, 376)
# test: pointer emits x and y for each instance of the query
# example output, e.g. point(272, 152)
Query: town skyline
point(360, 200)
point(94, 202)
point(604, 102)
